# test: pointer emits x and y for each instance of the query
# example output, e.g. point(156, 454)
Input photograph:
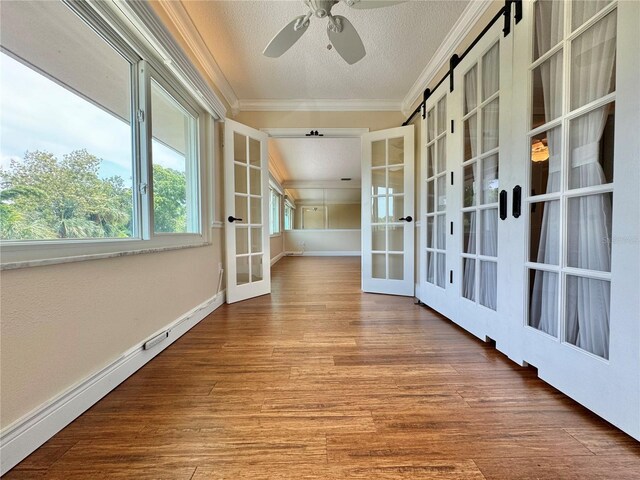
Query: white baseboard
point(277, 258)
point(21, 438)
point(330, 253)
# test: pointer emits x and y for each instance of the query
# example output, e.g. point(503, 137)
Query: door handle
point(517, 201)
point(503, 205)
point(233, 219)
point(408, 218)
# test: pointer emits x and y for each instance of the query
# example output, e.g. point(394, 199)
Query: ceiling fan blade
point(365, 4)
point(286, 37)
point(347, 42)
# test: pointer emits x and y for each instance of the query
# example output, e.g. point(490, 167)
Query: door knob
point(233, 219)
point(408, 218)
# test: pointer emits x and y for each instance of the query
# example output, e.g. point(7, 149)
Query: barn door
point(577, 76)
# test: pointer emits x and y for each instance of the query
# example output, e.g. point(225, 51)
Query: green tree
point(47, 198)
point(43, 197)
point(169, 200)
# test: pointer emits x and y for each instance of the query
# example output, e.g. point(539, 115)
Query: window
point(274, 212)
point(288, 216)
point(91, 133)
point(174, 154)
point(66, 152)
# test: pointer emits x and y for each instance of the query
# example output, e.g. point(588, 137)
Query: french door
point(479, 151)
point(435, 290)
point(387, 211)
point(246, 175)
point(576, 87)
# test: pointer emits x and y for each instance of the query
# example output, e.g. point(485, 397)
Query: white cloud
point(38, 114)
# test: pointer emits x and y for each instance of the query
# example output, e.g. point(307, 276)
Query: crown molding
point(333, 105)
point(472, 13)
point(275, 169)
point(178, 15)
point(141, 26)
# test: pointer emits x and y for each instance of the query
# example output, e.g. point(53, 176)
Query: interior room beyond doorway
point(315, 195)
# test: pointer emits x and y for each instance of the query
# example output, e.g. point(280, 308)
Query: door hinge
point(452, 126)
point(451, 178)
point(140, 115)
point(142, 188)
point(450, 276)
point(451, 228)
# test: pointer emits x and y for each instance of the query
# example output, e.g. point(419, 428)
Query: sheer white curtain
point(488, 279)
point(489, 270)
point(432, 255)
point(441, 227)
point(471, 100)
point(544, 296)
point(589, 223)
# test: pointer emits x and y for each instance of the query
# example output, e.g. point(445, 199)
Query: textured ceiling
point(399, 40)
point(316, 159)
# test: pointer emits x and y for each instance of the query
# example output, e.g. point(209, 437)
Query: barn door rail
point(505, 12)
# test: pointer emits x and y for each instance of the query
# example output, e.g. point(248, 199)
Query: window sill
point(95, 256)
point(275, 235)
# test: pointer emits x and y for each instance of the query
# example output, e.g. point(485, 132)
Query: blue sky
point(38, 114)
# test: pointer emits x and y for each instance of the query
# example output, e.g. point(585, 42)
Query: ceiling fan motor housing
point(321, 8)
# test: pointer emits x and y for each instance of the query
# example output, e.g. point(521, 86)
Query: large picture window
point(99, 145)
point(66, 151)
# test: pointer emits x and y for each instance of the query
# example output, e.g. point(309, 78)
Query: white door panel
point(387, 211)
point(578, 164)
point(436, 246)
point(480, 147)
point(246, 174)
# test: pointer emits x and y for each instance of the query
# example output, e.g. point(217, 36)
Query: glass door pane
point(577, 190)
point(387, 199)
point(481, 182)
point(436, 193)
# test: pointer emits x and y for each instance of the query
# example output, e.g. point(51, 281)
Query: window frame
point(275, 203)
point(288, 209)
point(193, 163)
point(145, 64)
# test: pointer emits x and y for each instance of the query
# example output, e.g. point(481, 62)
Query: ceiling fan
point(342, 34)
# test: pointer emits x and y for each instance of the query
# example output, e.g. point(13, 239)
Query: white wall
point(323, 241)
point(62, 323)
point(276, 243)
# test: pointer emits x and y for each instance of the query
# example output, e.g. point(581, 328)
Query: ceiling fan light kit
point(342, 34)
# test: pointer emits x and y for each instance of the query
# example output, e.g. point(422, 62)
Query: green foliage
point(47, 198)
point(44, 198)
point(169, 200)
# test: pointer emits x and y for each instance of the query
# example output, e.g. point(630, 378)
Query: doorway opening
point(316, 181)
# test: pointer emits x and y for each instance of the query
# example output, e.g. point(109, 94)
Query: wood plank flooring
point(321, 381)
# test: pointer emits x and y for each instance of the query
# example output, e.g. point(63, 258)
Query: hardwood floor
point(321, 381)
